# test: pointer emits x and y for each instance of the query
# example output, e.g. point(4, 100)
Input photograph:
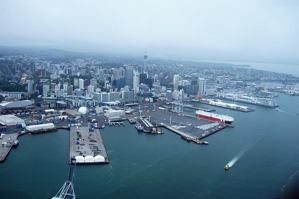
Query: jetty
point(87, 147)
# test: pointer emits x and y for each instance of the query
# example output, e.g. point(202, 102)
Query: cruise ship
point(267, 102)
point(219, 103)
point(214, 117)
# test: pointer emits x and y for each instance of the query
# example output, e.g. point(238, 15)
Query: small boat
point(226, 167)
point(139, 127)
point(188, 139)
point(205, 142)
point(15, 143)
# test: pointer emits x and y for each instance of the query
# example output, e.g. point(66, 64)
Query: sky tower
point(144, 62)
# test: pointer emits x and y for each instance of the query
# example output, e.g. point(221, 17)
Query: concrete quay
point(87, 146)
point(188, 127)
point(6, 145)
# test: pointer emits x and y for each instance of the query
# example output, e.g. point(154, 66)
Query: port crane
point(67, 190)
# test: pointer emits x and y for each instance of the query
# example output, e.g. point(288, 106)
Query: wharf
point(182, 134)
point(8, 139)
point(188, 127)
point(87, 146)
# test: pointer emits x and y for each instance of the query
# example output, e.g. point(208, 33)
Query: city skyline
point(263, 31)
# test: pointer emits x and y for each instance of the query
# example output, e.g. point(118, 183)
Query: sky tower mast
point(145, 62)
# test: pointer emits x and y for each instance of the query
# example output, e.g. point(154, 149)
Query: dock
point(87, 147)
point(6, 145)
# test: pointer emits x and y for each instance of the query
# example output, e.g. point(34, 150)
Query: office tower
point(176, 79)
point(46, 89)
point(81, 83)
point(30, 86)
point(136, 82)
point(201, 86)
point(129, 76)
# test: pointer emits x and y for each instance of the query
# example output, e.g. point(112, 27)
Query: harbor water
point(262, 151)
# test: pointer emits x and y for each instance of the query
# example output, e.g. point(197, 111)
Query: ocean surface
point(263, 150)
point(289, 69)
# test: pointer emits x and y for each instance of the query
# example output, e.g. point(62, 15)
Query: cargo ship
point(214, 117)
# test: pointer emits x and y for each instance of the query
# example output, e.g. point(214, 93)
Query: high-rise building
point(30, 86)
point(143, 77)
point(136, 82)
point(201, 86)
point(81, 83)
point(93, 82)
point(145, 62)
point(46, 89)
point(76, 82)
point(65, 85)
point(176, 79)
point(129, 76)
point(70, 90)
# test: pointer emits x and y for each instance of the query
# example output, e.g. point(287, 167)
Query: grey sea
point(263, 149)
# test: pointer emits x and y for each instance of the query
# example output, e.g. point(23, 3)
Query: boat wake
point(282, 111)
point(241, 153)
point(236, 158)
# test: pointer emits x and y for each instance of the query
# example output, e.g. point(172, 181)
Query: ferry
point(139, 127)
point(226, 167)
point(214, 117)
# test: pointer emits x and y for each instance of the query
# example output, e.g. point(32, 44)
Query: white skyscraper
point(46, 89)
point(81, 83)
point(176, 79)
point(201, 86)
point(136, 82)
point(30, 86)
point(76, 82)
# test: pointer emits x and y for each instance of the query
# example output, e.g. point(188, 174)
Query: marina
point(86, 146)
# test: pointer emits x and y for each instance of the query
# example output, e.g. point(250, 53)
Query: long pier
point(87, 147)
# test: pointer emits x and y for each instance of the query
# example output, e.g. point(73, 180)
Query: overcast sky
point(243, 30)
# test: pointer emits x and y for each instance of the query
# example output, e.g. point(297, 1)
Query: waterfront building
point(127, 96)
point(113, 96)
